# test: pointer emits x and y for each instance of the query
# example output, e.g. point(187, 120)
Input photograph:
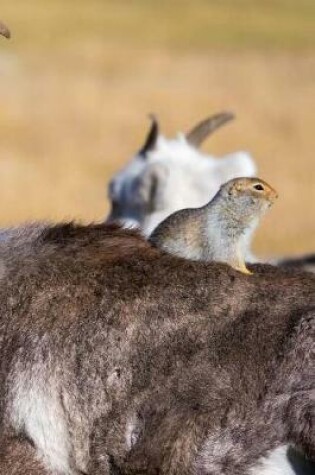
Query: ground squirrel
point(222, 229)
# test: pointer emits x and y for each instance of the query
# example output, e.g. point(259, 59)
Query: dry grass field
point(78, 79)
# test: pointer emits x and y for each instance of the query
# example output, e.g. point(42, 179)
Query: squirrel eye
point(259, 187)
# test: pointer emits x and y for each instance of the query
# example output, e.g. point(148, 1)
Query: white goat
point(167, 175)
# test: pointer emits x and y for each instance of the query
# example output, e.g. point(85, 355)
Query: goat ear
point(151, 138)
point(206, 127)
point(153, 185)
point(4, 31)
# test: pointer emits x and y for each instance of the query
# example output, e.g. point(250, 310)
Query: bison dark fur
point(306, 262)
point(118, 358)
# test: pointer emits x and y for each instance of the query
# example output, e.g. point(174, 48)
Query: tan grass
point(78, 81)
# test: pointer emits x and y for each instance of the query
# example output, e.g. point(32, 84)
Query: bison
point(118, 358)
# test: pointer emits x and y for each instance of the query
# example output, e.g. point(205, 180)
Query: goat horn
point(150, 141)
point(206, 127)
point(4, 31)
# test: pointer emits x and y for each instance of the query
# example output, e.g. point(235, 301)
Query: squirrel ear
point(233, 190)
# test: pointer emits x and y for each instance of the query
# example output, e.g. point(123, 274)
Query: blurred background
point(79, 77)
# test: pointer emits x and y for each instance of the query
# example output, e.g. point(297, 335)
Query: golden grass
point(79, 77)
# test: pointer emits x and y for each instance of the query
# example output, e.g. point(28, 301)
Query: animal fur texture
point(117, 358)
point(306, 262)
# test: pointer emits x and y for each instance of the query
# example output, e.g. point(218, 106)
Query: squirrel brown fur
point(222, 229)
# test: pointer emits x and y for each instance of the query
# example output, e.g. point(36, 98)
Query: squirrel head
point(250, 196)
